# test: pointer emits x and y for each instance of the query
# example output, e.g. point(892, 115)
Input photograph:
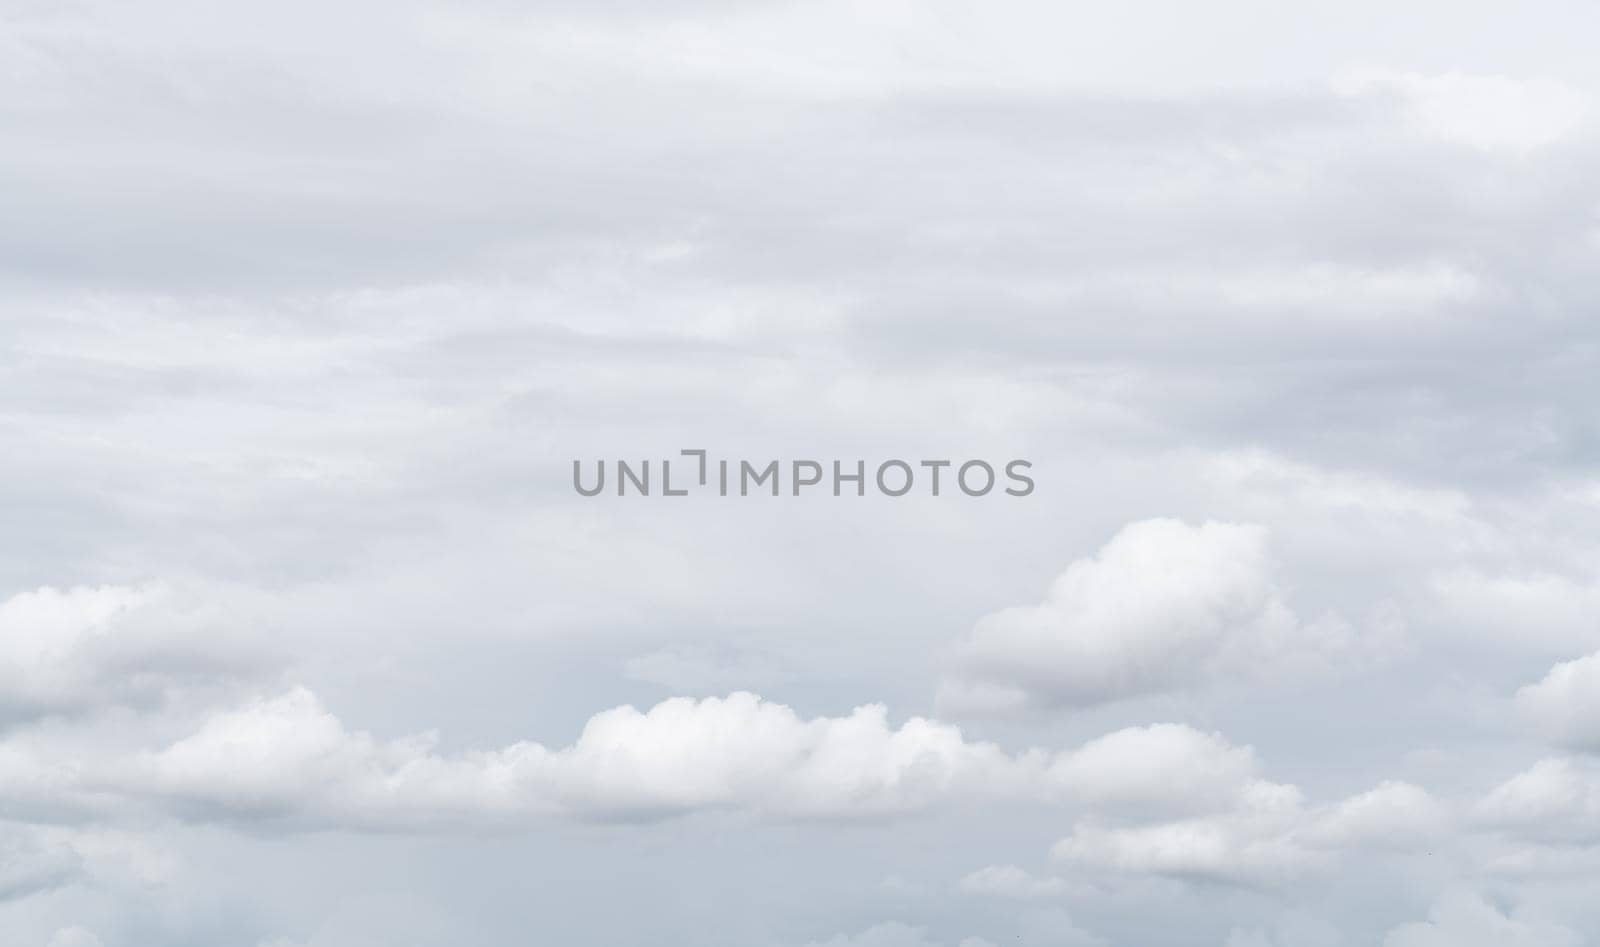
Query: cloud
point(1267, 836)
point(1013, 883)
point(363, 275)
point(1467, 920)
point(1565, 705)
point(1556, 800)
point(1535, 610)
point(1054, 927)
point(1350, 293)
point(1493, 113)
point(32, 861)
point(68, 650)
point(1393, 815)
point(362, 919)
point(1163, 768)
point(43, 781)
point(1162, 606)
point(289, 760)
point(52, 642)
point(1292, 930)
point(702, 668)
point(74, 937)
point(1051, 928)
point(888, 934)
point(1253, 843)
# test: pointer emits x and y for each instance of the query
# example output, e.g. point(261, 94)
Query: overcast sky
point(306, 310)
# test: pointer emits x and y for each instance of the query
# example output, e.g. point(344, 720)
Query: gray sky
point(306, 310)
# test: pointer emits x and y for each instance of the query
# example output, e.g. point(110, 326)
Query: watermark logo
point(698, 472)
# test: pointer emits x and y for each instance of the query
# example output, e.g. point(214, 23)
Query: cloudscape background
point(306, 309)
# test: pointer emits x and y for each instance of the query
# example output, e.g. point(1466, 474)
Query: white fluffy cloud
point(53, 644)
point(1566, 703)
point(328, 326)
point(1161, 768)
point(1393, 815)
point(1252, 842)
point(1161, 606)
point(1556, 799)
point(289, 759)
point(64, 650)
point(1266, 835)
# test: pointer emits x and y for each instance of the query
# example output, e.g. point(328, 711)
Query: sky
point(307, 310)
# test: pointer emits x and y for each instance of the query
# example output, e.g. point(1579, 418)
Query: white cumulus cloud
point(1566, 703)
point(1267, 835)
point(1161, 606)
point(289, 760)
point(65, 650)
point(1555, 799)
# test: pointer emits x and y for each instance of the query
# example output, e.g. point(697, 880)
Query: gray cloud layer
point(305, 311)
